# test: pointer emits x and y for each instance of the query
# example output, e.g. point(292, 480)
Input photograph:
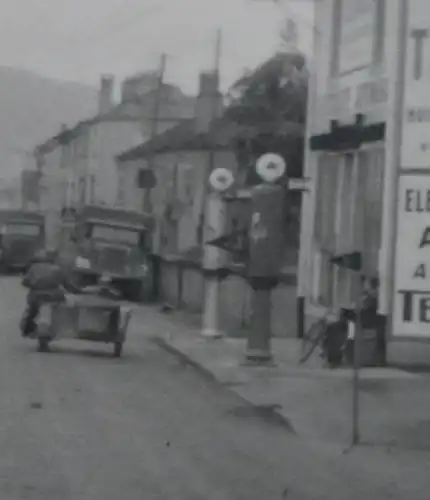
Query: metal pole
point(212, 263)
point(211, 155)
point(358, 340)
point(154, 122)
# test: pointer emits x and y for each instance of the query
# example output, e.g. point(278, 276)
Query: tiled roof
point(223, 132)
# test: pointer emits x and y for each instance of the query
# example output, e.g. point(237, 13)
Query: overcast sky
point(79, 39)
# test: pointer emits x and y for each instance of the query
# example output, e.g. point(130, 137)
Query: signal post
point(214, 257)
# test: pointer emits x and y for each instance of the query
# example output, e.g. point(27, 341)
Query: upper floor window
point(358, 35)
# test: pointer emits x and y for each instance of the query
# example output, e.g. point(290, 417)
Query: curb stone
point(271, 413)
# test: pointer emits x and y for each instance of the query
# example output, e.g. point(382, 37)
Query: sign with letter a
point(411, 314)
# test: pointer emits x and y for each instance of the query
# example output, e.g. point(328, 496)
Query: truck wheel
point(117, 351)
point(43, 344)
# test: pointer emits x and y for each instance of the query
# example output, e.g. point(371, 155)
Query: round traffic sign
point(270, 167)
point(221, 179)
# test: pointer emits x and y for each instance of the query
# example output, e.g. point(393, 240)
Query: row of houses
point(100, 160)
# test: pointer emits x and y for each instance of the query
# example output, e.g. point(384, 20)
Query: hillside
point(32, 108)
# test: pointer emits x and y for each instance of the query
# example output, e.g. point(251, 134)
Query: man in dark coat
point(46, 282)
point(335, 337)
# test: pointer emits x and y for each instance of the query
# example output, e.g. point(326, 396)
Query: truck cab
point(104, 242)
point(22, 235)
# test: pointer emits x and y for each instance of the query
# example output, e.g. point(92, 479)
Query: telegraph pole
point(158, 96)
point(154, 123)
point(211, 156)
point(146, 206)
point(213, 220)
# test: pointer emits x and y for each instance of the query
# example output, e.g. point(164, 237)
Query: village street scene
point(214, 272)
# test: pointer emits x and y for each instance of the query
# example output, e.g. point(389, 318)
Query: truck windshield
point(120, 235)
point(21, 229)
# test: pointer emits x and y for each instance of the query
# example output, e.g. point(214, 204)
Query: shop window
point(325, 209)
point(371, 165)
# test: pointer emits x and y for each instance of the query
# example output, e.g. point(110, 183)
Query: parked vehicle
point(22, 235)
point(101, 241)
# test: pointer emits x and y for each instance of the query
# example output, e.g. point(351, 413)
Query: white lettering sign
point(416, 112)
point(411, 316)
point(357, 34)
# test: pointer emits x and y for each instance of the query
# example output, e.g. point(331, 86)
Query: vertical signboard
point(416, 102)
point(411, 311)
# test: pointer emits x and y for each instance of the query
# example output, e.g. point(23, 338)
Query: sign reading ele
point(411, 317)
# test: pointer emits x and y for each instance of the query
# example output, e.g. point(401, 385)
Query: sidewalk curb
point(160, 342)
point(266, 412)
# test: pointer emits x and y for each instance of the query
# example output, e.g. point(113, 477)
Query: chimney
point(209, 104)
point(106, 94)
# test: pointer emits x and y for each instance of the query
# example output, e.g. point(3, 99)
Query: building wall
point(109, 139)
point(53, 192)
point(129, 195)
point(181, 179)
point(343, 211)
point(10, 194)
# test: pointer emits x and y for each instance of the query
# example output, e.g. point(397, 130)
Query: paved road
point(78, 424)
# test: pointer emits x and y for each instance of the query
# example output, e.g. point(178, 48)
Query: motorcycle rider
point(46, 282)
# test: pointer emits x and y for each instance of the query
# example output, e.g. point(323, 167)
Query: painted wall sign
point(357, 34)
point(416, 112)
point(411, 316)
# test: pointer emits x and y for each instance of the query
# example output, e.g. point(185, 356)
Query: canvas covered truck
point(22, 235)
point(97, 242)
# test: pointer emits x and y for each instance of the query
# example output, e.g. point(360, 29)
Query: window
point(336, 35)
point(127, 236)
point(92, 188)
point(82, 186)
point(371, 164)
point(379, 33)
point(22, 229)
point(325, 209)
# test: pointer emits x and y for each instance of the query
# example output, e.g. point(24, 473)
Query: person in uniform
point(46, 281)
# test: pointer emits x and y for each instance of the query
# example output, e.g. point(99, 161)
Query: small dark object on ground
point(166, 308)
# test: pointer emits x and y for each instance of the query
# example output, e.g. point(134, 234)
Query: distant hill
point(33, 107)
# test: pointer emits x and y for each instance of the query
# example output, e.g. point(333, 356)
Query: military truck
point(99, 241)
point(22, 234)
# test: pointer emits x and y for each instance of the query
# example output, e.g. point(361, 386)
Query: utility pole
point(146, 205)
point(154, 124)
point(213, 219)
point(211, 155)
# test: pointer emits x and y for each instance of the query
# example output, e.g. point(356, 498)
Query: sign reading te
point(411, 315)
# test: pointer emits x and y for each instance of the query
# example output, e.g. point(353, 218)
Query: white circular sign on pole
point(270, 167)
point(221, 179)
